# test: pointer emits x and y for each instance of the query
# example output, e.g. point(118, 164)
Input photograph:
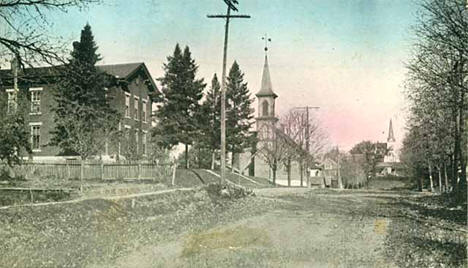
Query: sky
point(345, 56)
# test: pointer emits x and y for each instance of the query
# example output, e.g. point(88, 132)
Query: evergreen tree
point(211, 119)
point(179, 101)
point(83, 116)
point(238, 111)
point(14, 137)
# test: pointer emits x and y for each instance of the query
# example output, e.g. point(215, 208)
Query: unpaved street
point(280, 227)
point(307, 228)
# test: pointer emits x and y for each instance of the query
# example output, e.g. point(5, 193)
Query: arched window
point(265, 108)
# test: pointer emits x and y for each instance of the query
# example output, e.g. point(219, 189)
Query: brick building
point(130, 95)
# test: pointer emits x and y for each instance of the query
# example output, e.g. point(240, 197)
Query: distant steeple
point(266, 89)
point(391, 137)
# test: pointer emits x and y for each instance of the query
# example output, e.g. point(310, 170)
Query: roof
point(266, 89)
point(122, 71)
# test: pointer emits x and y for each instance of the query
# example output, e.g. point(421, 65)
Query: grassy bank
point(97, 231)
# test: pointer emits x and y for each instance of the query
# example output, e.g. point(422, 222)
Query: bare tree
point(437, 87)
point(294, 125)
point(276, 149)
point(24, 29)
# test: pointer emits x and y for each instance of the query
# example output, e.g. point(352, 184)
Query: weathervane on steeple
point(266, 39)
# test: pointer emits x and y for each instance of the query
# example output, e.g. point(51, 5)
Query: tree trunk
point(289, 171)
point(213, 156)
point(440, 179)
point(275, 166)
point(430, 178)
point(461, 155)
point(186, 157)
point(199, 158)
point(446, 178)
point(274, 176)
point(81, 169)
point(340, 181)
point(81, 174)
point(453, 174)
point(455, 155)
point(232, 162)
point(302, 172)
point(421, 183)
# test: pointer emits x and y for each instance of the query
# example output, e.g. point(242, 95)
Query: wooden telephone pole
point(231, 5)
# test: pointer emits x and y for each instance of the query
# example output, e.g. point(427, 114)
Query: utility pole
point(340, 181)
point(307, 139)
point(231, 5)
point(12, 102)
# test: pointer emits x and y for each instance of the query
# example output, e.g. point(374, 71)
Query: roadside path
point(115, 197)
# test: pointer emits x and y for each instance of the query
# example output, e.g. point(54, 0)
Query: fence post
point(174, 168)
point(139, 170)
point(102, 170)
point(68, 170)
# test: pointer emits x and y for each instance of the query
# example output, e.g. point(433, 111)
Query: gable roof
point(127, 70)
point(123, 70)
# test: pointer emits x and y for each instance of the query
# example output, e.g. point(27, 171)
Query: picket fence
point(95, 170)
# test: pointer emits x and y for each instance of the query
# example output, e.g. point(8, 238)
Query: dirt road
point(280, 227)
point(308, 228)
point(298, 235)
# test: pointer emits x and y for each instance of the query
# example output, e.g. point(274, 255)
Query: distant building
point(390, 163)
point(391, 156)
point(130, 95)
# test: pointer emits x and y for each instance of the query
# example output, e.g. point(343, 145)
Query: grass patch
point(234, 238)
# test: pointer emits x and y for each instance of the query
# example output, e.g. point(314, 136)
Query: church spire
point(266, 89)
point(391, 137)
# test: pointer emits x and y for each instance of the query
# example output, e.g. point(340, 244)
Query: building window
point(265, 108)
point(12, 104)
point(35, 102)
point(36, 137)
point(127, 105)
point(143, 111)
point(135, 115)
point(143, 143)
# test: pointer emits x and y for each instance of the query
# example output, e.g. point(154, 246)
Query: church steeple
point(266, 119)
point(391, 137)
point(266, 89)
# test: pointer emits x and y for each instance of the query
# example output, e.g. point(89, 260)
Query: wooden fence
point(95, 170)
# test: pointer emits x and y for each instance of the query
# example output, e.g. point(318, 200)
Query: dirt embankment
point(97, 231)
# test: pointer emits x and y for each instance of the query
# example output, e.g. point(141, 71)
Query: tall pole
point(223, 100)
point(340, 182)
point(228, 16)
point(307, 147)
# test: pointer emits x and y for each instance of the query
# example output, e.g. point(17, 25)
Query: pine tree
point(83, 116)
point(179, 107)
point(14, 137)
point(238, 111)
point(211, 119)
